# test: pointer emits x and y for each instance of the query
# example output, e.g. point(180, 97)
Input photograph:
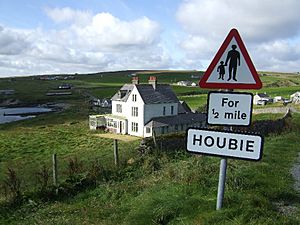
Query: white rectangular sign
point(229, 108)
point(222, 143)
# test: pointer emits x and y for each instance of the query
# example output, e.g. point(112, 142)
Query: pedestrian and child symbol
point(233, 57)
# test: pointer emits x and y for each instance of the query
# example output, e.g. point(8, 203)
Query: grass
point(194, 101)
point(27, 145)
point(164, 188)
point(182, 190)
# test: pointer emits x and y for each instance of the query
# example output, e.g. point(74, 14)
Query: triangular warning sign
point(232, 67)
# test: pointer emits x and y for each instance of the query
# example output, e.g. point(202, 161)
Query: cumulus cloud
point(12, 42)
point(266, 26)
point(279, 55)
point(86, 43)
point(66, 14)
point(107, 31)
point(257, 20)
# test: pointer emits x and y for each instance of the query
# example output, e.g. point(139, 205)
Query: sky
point(73, 36)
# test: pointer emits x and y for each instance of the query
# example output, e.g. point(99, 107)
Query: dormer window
point(122, 93)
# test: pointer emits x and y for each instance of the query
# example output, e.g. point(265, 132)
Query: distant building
point(65, 86)
point(105, 103)
point(184, 83)
point(295, 98)
point(278, 99)
point(7, 92)
point(262, 99)
point(147, 109)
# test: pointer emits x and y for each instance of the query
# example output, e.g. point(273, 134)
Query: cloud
point(106, 31)
point(257, 20)
point(66, 14)
point(84, 43)
point(267, 27)
point(12, 42)
point(278, 55)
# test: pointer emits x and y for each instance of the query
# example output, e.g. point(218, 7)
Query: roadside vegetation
point(158, 187)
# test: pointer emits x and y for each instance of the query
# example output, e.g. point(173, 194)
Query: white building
point(295, 98)
point(7, 92)
point(278, 99)
point(184, 83)
point(144, 109)
point(262, 99)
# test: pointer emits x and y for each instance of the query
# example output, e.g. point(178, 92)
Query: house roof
point(262, 95)
point(123, 93)
point(112, 116)
point(296, 94)
point(188, 118)
point(161, 94)
point(183, 107)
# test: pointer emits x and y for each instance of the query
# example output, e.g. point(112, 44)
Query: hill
point(163, 186)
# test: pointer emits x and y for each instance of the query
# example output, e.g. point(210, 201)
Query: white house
point(145, 109)
point(295, 98)
point(104, 103)
point(262, 99)
point(7, 92)
point(278, 99)
point(184, 83)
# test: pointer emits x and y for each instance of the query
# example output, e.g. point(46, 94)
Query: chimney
point(153, 81)
point(135, 80)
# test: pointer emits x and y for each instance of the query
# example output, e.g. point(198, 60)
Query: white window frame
point(134, 111)
point(119, 108)
point(134, 97)
point(134, 127)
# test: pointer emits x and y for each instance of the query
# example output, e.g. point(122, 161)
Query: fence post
point(54, 167)
point(116, 153)
point(154, 138)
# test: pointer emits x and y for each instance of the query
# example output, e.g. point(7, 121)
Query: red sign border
point(232, 34)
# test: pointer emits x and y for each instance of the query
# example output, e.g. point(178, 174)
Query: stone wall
point(173, 142)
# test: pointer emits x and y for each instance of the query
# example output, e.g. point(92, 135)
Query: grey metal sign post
point(221, 186)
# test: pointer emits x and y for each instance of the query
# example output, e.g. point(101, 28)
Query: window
point(134, 127)
point(119, 108)
point(111, 123)
point(134, 111)
point(172, 110)
point(134, 98)
point(148, 130)
point(164, 110)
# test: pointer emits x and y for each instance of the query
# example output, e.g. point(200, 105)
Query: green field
point(169, 187)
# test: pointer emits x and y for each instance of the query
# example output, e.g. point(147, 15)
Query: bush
point(42, 177)
point(12, 183)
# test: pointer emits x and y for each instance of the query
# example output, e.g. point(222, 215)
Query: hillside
point(165, 186)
